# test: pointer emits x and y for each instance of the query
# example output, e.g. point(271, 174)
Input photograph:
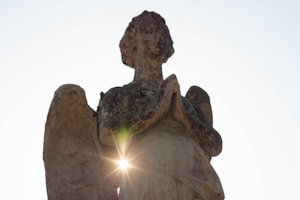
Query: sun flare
point(123, 164)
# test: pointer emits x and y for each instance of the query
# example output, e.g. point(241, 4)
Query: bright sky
point(245, 54)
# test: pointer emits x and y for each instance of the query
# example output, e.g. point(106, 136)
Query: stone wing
point(72, 152)
point(200, 99)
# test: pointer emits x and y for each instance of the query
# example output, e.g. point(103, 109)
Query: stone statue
point(168, 139)
point(72, 153)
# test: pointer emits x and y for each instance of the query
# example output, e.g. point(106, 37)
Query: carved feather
point(72, 152)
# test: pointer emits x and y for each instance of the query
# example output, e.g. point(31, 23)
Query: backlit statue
point(163, 140)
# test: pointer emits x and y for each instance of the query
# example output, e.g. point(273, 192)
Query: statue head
point(146, 37)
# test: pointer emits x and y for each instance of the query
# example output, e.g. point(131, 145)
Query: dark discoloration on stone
point(170, 138)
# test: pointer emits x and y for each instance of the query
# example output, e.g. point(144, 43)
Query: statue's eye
point(149, 29)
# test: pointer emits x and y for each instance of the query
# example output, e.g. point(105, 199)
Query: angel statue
point(163, 141)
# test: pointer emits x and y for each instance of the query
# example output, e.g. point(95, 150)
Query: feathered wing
point(207, 136)
point(199, 98)
point(73, 165)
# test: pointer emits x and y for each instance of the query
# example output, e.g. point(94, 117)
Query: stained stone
point(168, 139)
point(74, 168)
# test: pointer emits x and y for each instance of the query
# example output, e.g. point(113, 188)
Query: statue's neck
point(148, 71)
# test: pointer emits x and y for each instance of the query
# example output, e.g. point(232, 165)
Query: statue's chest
point(130, 98)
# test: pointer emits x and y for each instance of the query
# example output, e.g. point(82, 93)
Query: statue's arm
point(198, 124)
point(115, 117)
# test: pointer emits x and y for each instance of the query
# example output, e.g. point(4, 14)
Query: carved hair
point(146, 23)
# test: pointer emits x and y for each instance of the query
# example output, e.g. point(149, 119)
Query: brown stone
point(168, 138)
point(72, 152)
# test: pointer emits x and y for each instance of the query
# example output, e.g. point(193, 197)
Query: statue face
point(149, 43)
point(146, 37)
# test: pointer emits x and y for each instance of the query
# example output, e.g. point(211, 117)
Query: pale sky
point(245, 54)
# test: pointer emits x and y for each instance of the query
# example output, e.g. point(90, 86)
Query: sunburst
point(123, 163)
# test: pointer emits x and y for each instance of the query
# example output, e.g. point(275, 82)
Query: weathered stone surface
point(200, 99)
point(147, 35)
point(168, 164)
point(168, 139)
point(170, 155)
point(72, 153)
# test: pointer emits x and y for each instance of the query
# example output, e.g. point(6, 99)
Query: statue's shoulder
point(115, 95)
point(111, 93)
point(120, 91)
point(131, 94)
